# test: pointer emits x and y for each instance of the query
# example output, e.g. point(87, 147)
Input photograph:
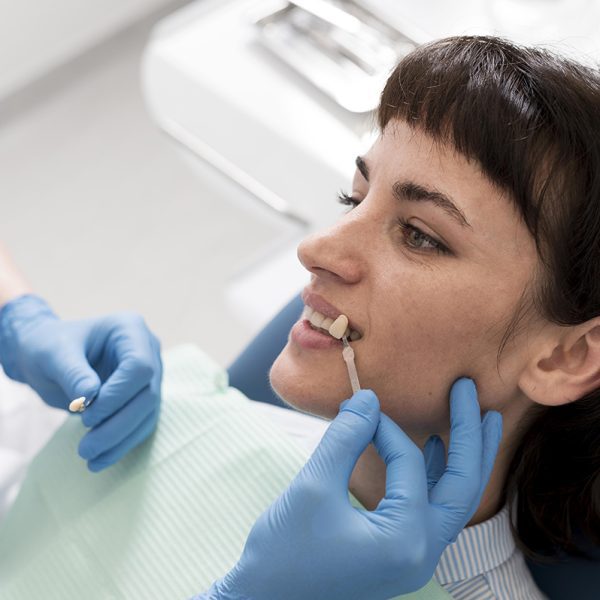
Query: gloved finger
point(70, 370)
point(130, 342)
point(460, 483)
point(435, 459)
point(492, 435)
point(114, 455)
point(345, 440)
point(118, 427)
point(405, 477)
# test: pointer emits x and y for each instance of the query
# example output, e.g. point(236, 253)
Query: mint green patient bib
point(166, 521)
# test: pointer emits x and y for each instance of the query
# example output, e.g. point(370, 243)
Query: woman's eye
point(415, 238)
point(347, 200)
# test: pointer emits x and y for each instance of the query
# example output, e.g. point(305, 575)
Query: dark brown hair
point(531, 119)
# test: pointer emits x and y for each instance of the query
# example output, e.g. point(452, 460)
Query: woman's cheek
point(320, 392)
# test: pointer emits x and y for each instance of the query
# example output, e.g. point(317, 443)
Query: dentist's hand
point(311, 542)
point(115, 357)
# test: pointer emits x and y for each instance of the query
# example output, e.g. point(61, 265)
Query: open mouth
point(321, 323)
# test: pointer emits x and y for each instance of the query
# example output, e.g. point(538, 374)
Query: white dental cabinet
point(281, 146)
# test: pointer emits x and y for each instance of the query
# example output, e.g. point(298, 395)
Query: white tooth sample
point(326, 324)
point(354, 336)
point(77, 404)
point(316, 319)
point(307, 312)
point(338, 327)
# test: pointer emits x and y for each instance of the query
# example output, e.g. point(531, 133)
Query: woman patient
point(471, 247)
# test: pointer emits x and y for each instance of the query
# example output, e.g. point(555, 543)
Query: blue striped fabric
point(484, 563)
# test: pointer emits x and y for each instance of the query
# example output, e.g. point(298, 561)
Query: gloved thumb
point(74, 375)
point(345, 440)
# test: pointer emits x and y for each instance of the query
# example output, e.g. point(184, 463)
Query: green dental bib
point(167, 520)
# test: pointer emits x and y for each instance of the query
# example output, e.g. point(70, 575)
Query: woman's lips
point(319, 304)
point(305, 336)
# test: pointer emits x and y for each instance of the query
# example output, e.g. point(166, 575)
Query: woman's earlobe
point(565, 371)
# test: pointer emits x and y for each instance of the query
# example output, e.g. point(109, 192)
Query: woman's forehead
point(402, 152)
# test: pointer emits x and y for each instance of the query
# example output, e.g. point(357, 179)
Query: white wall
point(37, 35)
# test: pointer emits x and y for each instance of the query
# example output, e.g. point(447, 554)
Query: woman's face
point(429, 266)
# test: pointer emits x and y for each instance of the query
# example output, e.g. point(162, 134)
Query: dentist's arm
point(311, 542)
point(12, 283)
point(115, 358)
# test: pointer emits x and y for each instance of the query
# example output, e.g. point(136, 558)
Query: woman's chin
point(317, 395)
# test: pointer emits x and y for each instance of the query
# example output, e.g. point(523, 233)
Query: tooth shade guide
point(319, 321)
point(338, 328)
point(348, 356)
point(77, 405)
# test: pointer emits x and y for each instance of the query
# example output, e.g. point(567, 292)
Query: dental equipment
point(343, 49)
point(348, 355)
point(81, 403)
point(338, 329)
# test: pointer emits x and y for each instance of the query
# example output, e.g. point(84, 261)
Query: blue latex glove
point(115, 357)
point(312, 543)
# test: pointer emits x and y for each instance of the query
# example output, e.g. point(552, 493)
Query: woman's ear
point(565, 365)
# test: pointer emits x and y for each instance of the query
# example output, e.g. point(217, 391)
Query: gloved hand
point(311, 542)
point(115, 357)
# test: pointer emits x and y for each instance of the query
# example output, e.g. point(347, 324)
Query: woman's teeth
point(320, 321)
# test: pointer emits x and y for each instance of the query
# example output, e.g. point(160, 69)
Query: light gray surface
point(102, 214)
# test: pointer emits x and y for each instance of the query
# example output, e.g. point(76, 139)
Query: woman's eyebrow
point(409, 190)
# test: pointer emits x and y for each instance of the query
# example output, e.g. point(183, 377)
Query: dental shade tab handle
point(337, 329)
point(348, 355)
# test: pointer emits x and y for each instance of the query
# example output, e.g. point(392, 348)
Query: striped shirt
point(484, 562)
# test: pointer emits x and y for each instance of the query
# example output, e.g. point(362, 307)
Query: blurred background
point(167, 156)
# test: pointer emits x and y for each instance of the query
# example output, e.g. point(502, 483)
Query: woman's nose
point(336, 253)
